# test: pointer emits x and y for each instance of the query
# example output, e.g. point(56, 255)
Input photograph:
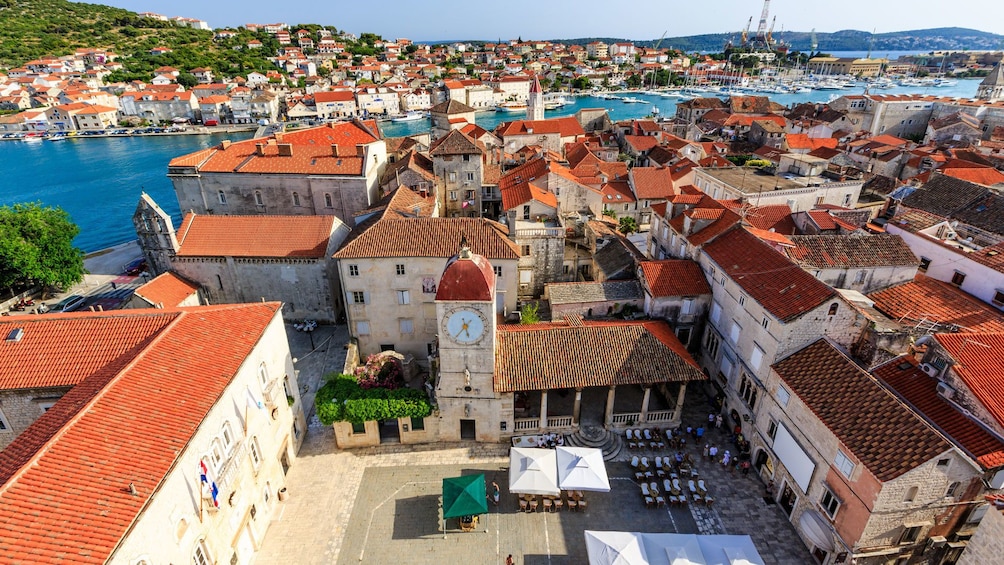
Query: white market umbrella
point(582, 468)
point(672, 549)
point(615, 548)
point(533, 471)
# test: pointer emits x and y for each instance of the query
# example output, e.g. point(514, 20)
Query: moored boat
point(409, 117)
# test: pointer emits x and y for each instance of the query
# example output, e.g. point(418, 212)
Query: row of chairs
point(676, 493)
point(660, 467)
point(644, 439)
point(551, 504)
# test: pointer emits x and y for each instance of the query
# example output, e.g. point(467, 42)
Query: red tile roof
point(564, 127)
point(883, 434)
point(851, 251)
point(673, 277)
point(616, 192)
point(517, 189)
point(641, 143)
point(427, 237)
point(168, 290)
point(65, 496)
point(934, 301)
point(549, 356)
point(822, 219)
point(255, 236)
point(652, 183)
point(777, 284)
point(467, 279)
point(920, 391)
point(979, 361)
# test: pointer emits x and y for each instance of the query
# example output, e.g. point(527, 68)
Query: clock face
point(465, 325)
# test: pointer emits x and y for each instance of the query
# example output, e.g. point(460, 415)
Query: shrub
point(343, 399)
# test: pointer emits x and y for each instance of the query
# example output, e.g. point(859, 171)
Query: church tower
point(156, 235)
point(465, 389)
point(535, 103)
point(992, 87)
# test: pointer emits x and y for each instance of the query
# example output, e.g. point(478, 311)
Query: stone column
point(644, 406)
point(608, 418)
point(543, 409)
point(678, 409)
point(577, 407)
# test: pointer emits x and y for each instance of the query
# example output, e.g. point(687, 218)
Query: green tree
point(36, 246)
point(634, 81)
point(581, 83)
point(627, 225)
point(529, 314)
point(187, 80)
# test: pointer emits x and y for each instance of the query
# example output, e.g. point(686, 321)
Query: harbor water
point(98, 181)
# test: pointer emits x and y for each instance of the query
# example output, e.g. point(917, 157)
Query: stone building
point(226, 406)
point(991, 89)
point(901, 115)
point(333, 169)
point(862, 263)
point(676, 291)
point(594, 299)
point(861, 476)
point(166, 290)
point(237, 259)
point(551, 135)
point(802, 192)
point(458, 163)
point(450, 115)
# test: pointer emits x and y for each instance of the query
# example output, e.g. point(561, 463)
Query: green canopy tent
point(464, 496)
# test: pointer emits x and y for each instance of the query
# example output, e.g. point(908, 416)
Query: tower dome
point(467, 277)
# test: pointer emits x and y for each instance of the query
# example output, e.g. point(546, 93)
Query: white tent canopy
point(671, 549)
point(615, 548)
point(533, 471)
point(582, 468)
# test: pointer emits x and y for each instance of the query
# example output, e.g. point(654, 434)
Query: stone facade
point(799, 195)
point(459, 179)
point(987, 544)
point(19, 408)
point(249, 473)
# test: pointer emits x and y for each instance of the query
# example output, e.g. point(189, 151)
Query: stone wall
point(21, 407)
point(987, 544)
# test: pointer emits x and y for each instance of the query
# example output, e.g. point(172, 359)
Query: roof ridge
point(85, 407)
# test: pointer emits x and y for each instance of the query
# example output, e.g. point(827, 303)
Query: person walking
point(508, 560)
point(707, 451)
point(718, 421)
point(711, 419)
point(495, 493)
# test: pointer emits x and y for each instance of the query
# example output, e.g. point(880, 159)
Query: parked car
point(135, 267)
point(68, 304)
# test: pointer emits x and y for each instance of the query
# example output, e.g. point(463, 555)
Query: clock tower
point(465, 309)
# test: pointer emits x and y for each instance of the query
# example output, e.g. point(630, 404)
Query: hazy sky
point(554, 19)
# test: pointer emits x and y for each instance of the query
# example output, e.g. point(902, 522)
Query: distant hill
point(845, 40)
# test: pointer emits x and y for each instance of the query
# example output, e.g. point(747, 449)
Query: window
point(742, 299)
point(911, 494)
point(399, 269)
point(722, 282)
point(998, 298)
point(783, 396)
point(716, 312)
point(833, 310)
point(406, 326)
point(772, 429)
point(525, 250)
point(859, 278)
point(255, 452)
point(688, 306)
point(748, 391)
point(765, 323)
point(453, 176)
point(228, 437)
point(498, 270)
point(200, 556)
point(944, 462)
point(683, 334)
point(958, 278)
point(296, 199)
point(453, 195)
point(735, 331)
point(829, 503)
point(467, 159)
point(756, 357)
point(358, 297)
point(258, 199)
point(219, 281)
point(353, 270)
point(847, 200)
point(4, 426)
point(403, 297)
point(362, 328)
point(221, 197)
point(712, 344)
point(952, 489)
point(910, 534)
point(216, 453)
point(263, 375)
point(627, 207)
point(470, 176)
point(359, 428)
point(843, 464)
point(327, 200)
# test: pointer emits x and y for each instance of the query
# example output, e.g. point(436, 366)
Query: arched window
point(262, 375)
point(200, 555)
point(222, 197)
point(952, 488)
point(833, 310)
point(296, 199)
point(911, 494)
point(216, 453)
point(327, 200)
point(227, 433)
point(258, 199)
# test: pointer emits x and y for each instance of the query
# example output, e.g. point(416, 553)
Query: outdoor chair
point(660, 501)
point(634, 462)
point(547, 504)
point(700, 486)
point(698, 498)
point(648, 434)
point(533, 504)
point(558, 503)
point(708, 501)
point(649, 502)
point(639, 476)
point(692, 486)
point(572, 505)
point(583, 504)
point(645, 490)
point(522, 505)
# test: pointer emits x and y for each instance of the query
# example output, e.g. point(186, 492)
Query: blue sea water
point(99, 180)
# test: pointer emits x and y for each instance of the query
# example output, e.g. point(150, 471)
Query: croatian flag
point(209, 488)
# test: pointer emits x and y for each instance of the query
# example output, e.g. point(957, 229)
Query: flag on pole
point(209, 488)
point(252, 401)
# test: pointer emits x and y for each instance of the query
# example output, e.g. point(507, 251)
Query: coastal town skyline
point(573, 20)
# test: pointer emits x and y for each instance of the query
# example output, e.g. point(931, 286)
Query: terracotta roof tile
point(881, 433)
point(652, 183)
point(168, 290)
point(777, 284)
point(255, 236)
point(823, 219)
point(564, 127)
point(927, 299)
point(427, 237)
point(549, 356)
point(851, 251)
point(65, 480)
point(979, 361)
point(517, 189)
point(905, 379)
point(673, 277)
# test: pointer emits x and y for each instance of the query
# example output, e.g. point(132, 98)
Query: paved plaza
point(381, 504)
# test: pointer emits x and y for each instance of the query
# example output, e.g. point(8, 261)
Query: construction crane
point(656, 48)
point(746, 32)
point(761, 30)
point(768, 39)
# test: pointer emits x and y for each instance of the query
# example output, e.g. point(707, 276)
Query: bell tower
point(535, 102)
point(465, 309)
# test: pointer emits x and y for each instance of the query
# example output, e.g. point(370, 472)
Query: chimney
point(259, 149)
point(225, 144)
point(278, 136)
point(285, 149)
point(334, 151)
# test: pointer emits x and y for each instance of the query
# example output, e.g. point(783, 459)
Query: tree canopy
point(36, 246)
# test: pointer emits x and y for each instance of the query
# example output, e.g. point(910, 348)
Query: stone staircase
point(596, 436)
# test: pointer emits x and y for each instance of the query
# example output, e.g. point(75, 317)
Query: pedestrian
point(745, 466)
point(508, 560)
point(713, 452)
point(113, 285)
point(711, 418)
point(707, 451)
point(700, 432)
point(495, 493)
point(726, 458)
point(718, 421)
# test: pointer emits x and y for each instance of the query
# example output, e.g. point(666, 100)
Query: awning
point(816, 529)
point(533, 471)
point(582, 468)
point(464, 496)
